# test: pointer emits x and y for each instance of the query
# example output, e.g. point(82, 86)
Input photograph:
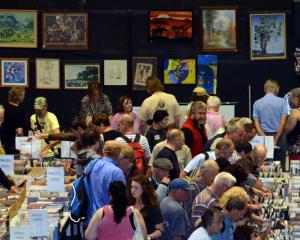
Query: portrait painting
point(47, 73)
point(207, 69)
point(14, 72)
point(65, 30)
point(219, 30)
point(18, 28)
point(171, 25)
point(267, 36)
point(142, 68)
point(115, 72)
point(78, 76)
point(179, 71)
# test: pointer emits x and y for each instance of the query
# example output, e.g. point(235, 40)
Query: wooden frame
point(20, 31)
point(65, 30)
point(219, 28)
point(84, 74)
point(14, 72)
point(47, 73)
point(267, 36)
point(142, 68)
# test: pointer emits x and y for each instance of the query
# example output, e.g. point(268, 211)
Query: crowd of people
point(161, 173)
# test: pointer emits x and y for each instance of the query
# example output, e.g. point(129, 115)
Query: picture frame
point(171, 25)
point(47, 73)
point(179, 71)
point(65, 30)
point(14, 72)
point(219, 28)
point(207, 72)
point(115, 72)
point(78, 76)
point(20, 31)
point(272, 25)
point(142, 68)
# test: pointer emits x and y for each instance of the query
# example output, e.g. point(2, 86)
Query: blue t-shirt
point(228, 230)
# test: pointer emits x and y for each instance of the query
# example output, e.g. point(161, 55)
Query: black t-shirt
point(14, 118)
point(152, 216)
point(171, 155)
point(155, 136)
point(111, 135)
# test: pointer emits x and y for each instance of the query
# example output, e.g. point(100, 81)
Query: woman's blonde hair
point(233, 192)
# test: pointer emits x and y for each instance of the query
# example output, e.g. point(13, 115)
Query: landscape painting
point(47, 73)
point(171, 25)
point(179, 71)
point(207, 69)
point(18, 28)
point(14, 72)
point(267, 36)
point(68, 31)
point(219, 29)
point(78, 76)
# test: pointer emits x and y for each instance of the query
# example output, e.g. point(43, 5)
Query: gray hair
point(233, 125)
point(225, 178)
point(258, 147)
point(213, 101)
point(207, 166)
point(271, 86)
point(245, 120)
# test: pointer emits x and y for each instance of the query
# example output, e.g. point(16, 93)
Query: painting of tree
point(267, 33)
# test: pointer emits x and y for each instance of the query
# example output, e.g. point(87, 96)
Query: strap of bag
point(39, 127)
point(137, 137)
point(126, 139)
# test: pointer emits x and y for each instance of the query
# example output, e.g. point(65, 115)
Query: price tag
point(55, 179)
point(19, 233)
point(66, 151)
point(38, 222)
point(7, 164)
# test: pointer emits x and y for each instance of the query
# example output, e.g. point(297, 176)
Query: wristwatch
point(148, 237)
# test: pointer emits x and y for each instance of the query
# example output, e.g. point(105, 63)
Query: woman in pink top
point(125, 106)
point(214, 119)
point(116, 221)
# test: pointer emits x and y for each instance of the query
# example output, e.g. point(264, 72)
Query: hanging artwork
point(267, 36)
point(207, 69)
point(78, 76)
point(171, 25)
point(179, 71)
point(47, 73)
point(14, 72)
point(219, 28)
point(142, 68)
point(115, 72)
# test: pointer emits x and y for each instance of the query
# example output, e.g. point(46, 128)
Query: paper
point(257, 140)
point(55, 179)
point(33, 147)
point(38, 222)
point(19, 233)
point(66, 151)
point(7, 164)
point(269, 144)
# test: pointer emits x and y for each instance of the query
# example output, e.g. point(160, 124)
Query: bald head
point(259, 154)
point(175, 139)
point(126, 123)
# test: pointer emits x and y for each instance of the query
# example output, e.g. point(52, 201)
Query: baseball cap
point(179, 183)
point(40, 103)
point(163, 163)
point(200, 91)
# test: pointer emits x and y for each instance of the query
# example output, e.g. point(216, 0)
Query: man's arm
point(260, 132)
point(280, 130)
point(188, 136)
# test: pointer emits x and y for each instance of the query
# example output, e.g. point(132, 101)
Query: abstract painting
point(47, 73)
point(219, 28)
point(18, 28)
point(207, 69)
point(171, 25)
point(78, 76)
point(14, 72)
point(179, 71)
point(267, 36)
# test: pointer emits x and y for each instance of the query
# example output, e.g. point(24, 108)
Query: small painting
point(115, 72)
point(267, 36)
point(18, 28)
point(78, 76)
point(171, 25)
point(219, 28)
point(179, 71)
point(14, 72)
point(142, 68)
point(65, 30)
point(47, 73)
point(207, 69)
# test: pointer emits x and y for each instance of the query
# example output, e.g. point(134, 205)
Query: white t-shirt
point(197, 161)
point(200, 234)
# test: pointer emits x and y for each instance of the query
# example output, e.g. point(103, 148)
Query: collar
point(107, 159)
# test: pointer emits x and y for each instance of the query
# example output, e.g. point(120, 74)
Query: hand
point(25, 154)
point(264, 168)
point(44, 152)
point(166, 180)
point(15, 190)
point(41, 135)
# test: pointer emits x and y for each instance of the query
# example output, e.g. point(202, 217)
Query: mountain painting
point(18, 28)
point(171, 24)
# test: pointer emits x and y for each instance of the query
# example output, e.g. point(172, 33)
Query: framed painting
point(179, 71)
point(78, 76)
point(142, 68)
point(267, 36)
point(115, 72)
point(18, 28)
point(219, 29)
point(47, 73)
point(171, 25)
point(207, 69)
point(65, 30)
point(14, 72)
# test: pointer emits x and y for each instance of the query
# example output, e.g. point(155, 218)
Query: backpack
point(138, 153)
point(80, 196)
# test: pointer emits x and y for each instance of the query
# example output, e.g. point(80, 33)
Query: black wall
point(119, 29)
